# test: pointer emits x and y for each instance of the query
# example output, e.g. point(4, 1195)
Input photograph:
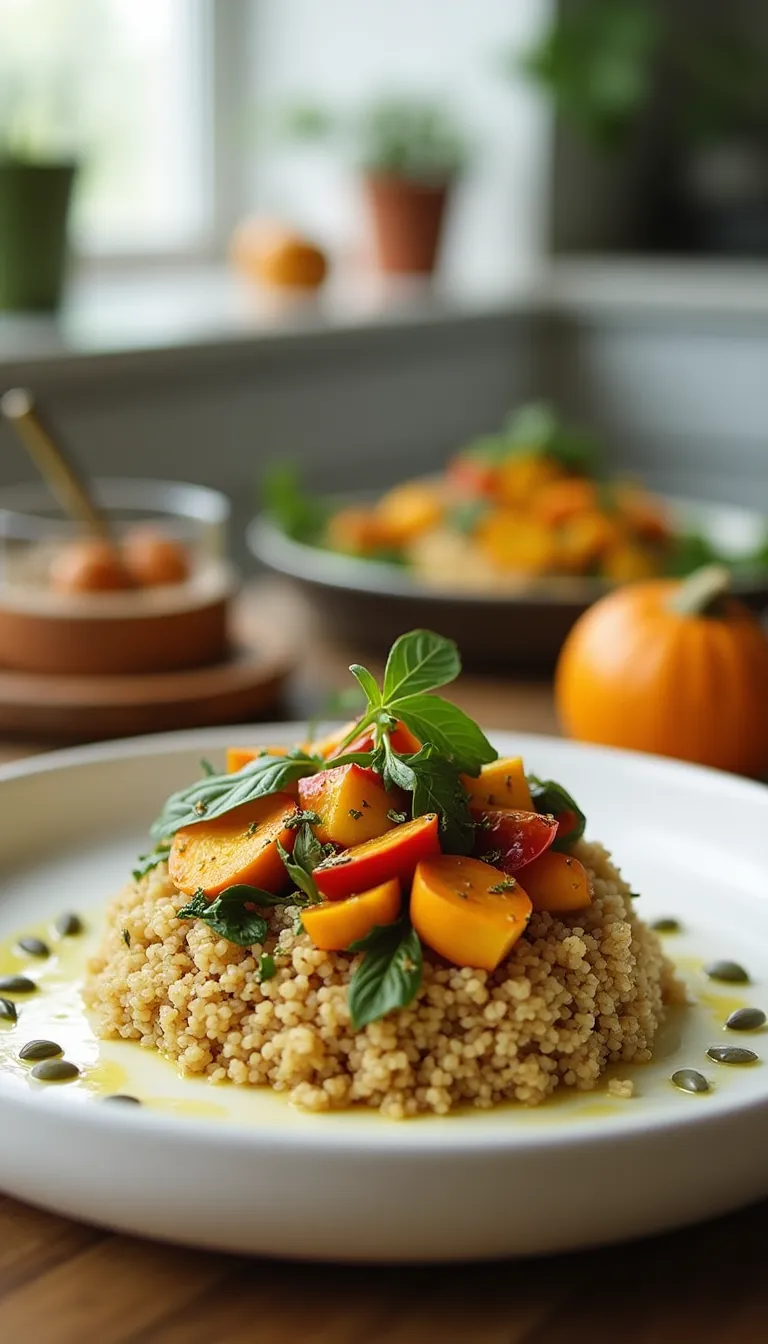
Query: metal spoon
point(18, 408)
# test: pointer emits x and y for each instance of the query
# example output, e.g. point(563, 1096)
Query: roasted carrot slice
point(352, 804)
point(469, 912)
point(333, 925)
point(240, 846)
point(557, 881)
point(501, 783)
point(395, 854)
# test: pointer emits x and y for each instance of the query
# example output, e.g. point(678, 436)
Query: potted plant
point(724, 133)
point(410, 154)
point(36, 185)
point(596, 63)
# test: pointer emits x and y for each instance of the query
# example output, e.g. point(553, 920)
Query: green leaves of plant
point(419, 661)
point(448, 729)
point(551, 797)
point(307, 854)
point(536, 427)
point(228, 915)
point(216, 794)
point(389, 976)
point(368, 683)
point(437, 789)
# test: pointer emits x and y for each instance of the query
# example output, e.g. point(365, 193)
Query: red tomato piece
point(510, 839)
point(395, 854)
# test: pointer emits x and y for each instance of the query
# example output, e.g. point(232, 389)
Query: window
point(124, 85)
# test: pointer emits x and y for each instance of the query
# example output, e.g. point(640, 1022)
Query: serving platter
point(371, 603)
point(240, 1170)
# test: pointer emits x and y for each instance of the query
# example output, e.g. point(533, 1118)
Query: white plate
point(243, 1171)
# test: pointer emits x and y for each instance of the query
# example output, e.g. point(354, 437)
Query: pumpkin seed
point(728, 971)
point(40, 1050)
point(35, 947)
point(8, 1011)
point(124, 1099)
point(731, 1054)
point(690, 1080)
point(55, 1071)
point(667, 926)
point(68, 925)
point(746, 1019)
point(17, 984)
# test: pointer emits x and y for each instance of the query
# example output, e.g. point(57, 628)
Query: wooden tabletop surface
point(65, 1283)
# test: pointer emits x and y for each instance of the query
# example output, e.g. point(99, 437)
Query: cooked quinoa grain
point(576, 994)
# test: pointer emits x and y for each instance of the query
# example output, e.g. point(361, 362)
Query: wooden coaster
point(77, 709)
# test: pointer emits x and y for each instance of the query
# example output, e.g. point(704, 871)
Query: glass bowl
point(163, 627)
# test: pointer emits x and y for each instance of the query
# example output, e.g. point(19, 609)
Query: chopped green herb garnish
point(300, 817)
point(267, 967)
point(146, 862)
point(506, 884)
point(355, 813)
point(397, 817)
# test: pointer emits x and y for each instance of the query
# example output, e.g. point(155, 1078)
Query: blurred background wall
point(623, 277)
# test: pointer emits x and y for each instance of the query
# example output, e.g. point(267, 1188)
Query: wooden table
point(63, 1283)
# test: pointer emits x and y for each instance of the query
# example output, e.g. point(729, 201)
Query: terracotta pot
point(407, 222)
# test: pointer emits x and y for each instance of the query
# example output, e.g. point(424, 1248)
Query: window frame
point(223, 33)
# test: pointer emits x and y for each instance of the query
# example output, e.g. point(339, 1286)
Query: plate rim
point(393, 1139)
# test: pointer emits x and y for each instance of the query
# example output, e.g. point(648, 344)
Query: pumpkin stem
point(699, 594)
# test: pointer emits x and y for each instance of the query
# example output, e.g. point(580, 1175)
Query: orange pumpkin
point(680, 669)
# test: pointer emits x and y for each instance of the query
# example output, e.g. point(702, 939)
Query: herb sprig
point(214, 795)
point(389, 975)
point(420, 662)
point(232, 916)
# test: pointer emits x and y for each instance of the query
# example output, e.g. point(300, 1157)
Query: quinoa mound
point(577, 993)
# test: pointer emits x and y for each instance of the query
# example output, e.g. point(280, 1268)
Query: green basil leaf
point(437, 788)
point(536, 428)
point(551, 797)
point(369, 684)
point(419, 661)
point(212, 797)
point(228, 915)
point(299, 515)
point(307, 854)
point(394, 771)
point(146, 862)
point(389, 975)
point(448, 729)
point(364, 758)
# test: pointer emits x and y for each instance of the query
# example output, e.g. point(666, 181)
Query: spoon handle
point(18, 407)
